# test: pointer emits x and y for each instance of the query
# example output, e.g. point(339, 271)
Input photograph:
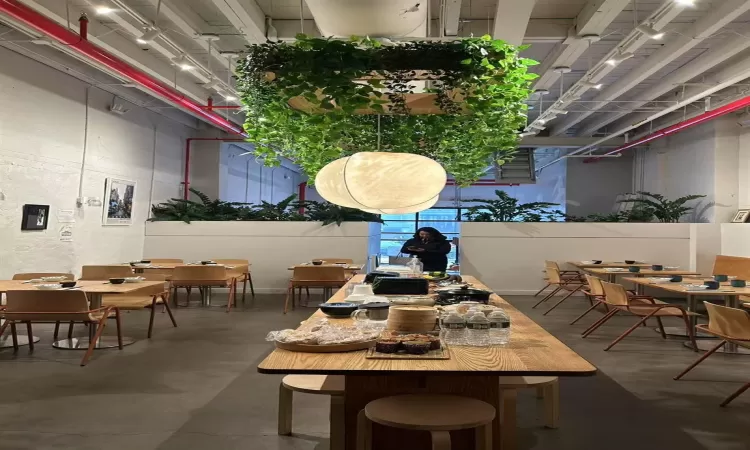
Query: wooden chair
point(36, 275)
point(547, 388)
point(729, 325)
point(570, 284)
point(645, 307)
point(242, 267)
point(105, 272)
point(336, 260)
point(164, 260)
point(438, 414)
point(147, 297)
point(563, 274)
point(203, 278)
point(55, 306)
point(595, 292)
point(322, 277)
point(331, 385)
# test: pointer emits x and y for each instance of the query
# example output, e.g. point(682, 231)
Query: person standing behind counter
point(431, 247)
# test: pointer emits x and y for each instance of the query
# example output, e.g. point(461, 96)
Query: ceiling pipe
point(689, 123)
point(77, 44)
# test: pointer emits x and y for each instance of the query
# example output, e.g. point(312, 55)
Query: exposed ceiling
point(704, 50)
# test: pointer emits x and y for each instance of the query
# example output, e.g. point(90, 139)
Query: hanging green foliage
point(343, 92)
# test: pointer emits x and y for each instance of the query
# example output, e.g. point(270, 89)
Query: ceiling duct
point(383, 18)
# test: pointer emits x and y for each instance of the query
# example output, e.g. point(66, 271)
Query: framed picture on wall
point(118, 202)
point(35, 217)
point(741, 216)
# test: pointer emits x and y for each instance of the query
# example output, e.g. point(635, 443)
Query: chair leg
point(151, 316)
point(599, 323)
point(30, 336)
point(92, 342)
point(625, 334)
point(661, 328)
point(441, 440)
point(552, 405)
point(548, 296)
point(232, 296)
point(700, 360)
point(14, 335)
point(690, 331)
point(3, 327)
point(286, 397)
point(57, 330)
point(118, 323)
point(165, 299)
point(364, 432)
point(289, 293)
point(507, 416)
point(593, 307)
point(735, 395)
point(244, 288)
point(252, 289)
point(337, 421)
point(483, 437)
point(542, 289)
point(562, 300)
point(70, 330)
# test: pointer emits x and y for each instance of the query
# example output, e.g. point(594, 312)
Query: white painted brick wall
point(41, 145)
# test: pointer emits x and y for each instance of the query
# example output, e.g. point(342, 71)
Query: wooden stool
point(547, 388)
point(314, 384)
point(438, 414)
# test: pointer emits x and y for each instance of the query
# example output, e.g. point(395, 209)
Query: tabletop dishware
point(738, 283)
point(711, 284)
point(657, 267)
point(117, 280)
point(48, 287)
point(68, 284)
point(634, 269)
point(721, 278)
point(338, 310)
point(372, 311)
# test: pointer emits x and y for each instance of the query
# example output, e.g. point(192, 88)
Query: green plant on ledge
point(287, 210)
point(316, 100)
point(509, 209)
point(665, 210)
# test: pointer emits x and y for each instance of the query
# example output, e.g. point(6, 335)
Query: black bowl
point(629, 261)
point(208, 263)
point(117, 280)
point(597, 261)
point(317, 263)
point(338, 310)
point(146, 261)
point(657, 267)
point(68, 284)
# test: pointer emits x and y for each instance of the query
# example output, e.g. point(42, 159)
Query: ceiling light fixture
point(557, 111)
point(230, 98)
point(590, 85)
point(529, 133)
point(148, 36)
point(615, 60)
point(537, 126)
point(182, 62)
point(685, 2)
point(650, 32)
point(541, 121)
point(102, 10)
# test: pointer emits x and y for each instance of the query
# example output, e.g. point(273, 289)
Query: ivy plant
point(355, 96)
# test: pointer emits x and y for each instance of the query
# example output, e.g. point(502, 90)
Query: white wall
point(42, 122)
point(270, 246)
point(592, 188)
point(509, 257)
point(244, 179)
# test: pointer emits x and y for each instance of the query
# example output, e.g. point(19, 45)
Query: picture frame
point(741, 216)
point(119, 198)
point(35, 217)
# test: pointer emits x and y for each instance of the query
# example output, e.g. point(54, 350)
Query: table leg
point(7, 342)
point(95, 302)
point(207, 295)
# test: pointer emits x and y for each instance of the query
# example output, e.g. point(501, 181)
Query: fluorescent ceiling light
point(557, 111)
point(615, 60)
point(685, 2)
point(650, 32)
point(542, 121)
point(148, 36)
point(529, 133)
point(230, 98)
point(591, 85)
point(102, 10)
point(183, 63)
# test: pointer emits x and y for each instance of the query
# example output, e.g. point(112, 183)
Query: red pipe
point(482, 183)
point(697, 120)
point(302, 194)
point(212, 107)
point(48, 27)
point(188, 141)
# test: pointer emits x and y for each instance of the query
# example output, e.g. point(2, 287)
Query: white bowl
point(48, 287)
point(134, 279)
point(141, 265)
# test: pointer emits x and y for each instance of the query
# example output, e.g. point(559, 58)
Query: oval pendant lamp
point(381, 181)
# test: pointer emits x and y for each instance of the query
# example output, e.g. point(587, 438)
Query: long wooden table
point(605, 264)
point(610, 274)
point(470, 371)
point(728, 294)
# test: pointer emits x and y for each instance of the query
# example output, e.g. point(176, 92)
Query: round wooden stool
point(438, 414)
point(314, 384)
point(547, 388)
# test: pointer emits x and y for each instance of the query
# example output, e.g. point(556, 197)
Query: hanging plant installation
point(460, 103)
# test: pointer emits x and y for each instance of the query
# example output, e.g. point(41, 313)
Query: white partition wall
point(271, 247)
point(509, 257)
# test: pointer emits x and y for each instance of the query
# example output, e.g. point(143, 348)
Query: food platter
point(326, 348)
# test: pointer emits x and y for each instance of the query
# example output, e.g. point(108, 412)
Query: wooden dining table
point(728, 294)
point(610, 274)
point(470, 371)
point(606, 264)
point(94, 291)
point(353, 268)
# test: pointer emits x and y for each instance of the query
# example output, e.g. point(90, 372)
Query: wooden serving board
point(443, 353)
point(333, 348)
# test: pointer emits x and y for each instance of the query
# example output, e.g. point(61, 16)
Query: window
point(398, 228)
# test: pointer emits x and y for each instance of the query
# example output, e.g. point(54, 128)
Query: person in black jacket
point(431, 247)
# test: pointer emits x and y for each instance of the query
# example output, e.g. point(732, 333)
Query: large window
point(398, 228)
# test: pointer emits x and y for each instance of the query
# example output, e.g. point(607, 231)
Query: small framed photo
point(118, 202)
point(35, 217)
point(741, 216)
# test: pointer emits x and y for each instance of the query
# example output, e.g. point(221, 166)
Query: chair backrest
point(35, 305)
point(163, 260)
point(732, 265)
point(552, 264)
point(614, 294)
point(553, 274)
point(35, 275)
point(336, 260)
point(105, 272)
point(595, 285)
point(319, 273)
point(727, 321)
point(199, 273)
point(241, 266)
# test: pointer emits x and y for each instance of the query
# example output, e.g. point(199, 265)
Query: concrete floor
point(196, 387)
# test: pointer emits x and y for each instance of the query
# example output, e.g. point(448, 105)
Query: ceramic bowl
point(117, 280)
point(629, 261)
point(317, 262)
point(68, 284)
point(48, 287)
point(338, 310)
point(133, 279)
